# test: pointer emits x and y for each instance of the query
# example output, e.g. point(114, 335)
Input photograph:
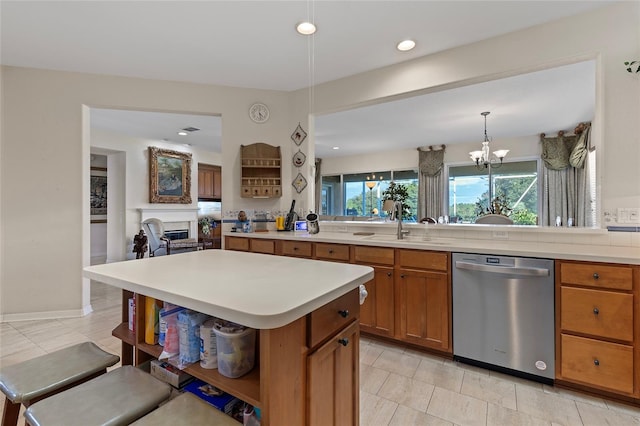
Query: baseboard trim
point(38, 316)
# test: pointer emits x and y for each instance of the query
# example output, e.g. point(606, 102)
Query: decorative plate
point(298, 135)
point(299, 183)
point(299, 158)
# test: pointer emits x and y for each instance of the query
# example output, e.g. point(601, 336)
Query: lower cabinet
point(596, 315)
point(423, 306)
point(377, 314)
point(331, 382)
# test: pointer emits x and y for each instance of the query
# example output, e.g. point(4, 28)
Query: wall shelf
point(261, 171)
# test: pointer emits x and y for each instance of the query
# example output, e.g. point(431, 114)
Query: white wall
point(45, 153)
point(45, 138)
point(610, 36)
point(519, 148)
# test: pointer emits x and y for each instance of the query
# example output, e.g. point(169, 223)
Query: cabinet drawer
point(296, 248)
point(236, 243)
point(597, 275)
point(263, 246)
point(597, 363)
point(332, 252)
point(328, 319)
point(377, 255)
point(601, 313)
point(419, 259)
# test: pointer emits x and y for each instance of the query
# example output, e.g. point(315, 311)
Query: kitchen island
point(306, 313)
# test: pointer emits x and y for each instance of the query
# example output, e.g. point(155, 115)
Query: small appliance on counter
point(292, 217)
point(313, 226)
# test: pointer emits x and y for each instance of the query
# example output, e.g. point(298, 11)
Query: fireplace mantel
point(169, 216)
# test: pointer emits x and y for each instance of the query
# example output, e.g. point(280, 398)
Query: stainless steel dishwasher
point(503, 314)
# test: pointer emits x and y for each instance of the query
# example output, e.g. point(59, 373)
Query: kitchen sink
point(407, 238)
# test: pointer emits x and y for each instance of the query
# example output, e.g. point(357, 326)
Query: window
point(349, 194)
point(517, 182)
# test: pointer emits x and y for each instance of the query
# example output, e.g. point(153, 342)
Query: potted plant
point(499, 205)
point(397, 192)
point(206, 223)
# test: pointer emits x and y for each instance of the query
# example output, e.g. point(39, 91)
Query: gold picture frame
point(169, 176)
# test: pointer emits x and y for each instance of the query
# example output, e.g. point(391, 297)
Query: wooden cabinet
point(332, 252)
point(295, 248)
point(254, 245)
point(260, 171)
point(209, 182)
point(377, 314)
point(262, 246)
point(424, 298)
point(331, 384)
point(236, 243)
point(596, 313)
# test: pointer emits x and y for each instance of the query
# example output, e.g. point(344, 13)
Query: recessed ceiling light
point(183, 133)
point(306, 28)
point(336, 147)
point(406, 45)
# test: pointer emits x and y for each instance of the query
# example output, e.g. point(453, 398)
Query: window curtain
point(430, 182)
point(566, 191)
point(318, 186)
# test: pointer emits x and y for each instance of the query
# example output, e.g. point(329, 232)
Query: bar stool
point(186, 409)
point(119, 397)
point(30, 381)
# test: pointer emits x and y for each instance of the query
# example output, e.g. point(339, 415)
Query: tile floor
point(398, 386)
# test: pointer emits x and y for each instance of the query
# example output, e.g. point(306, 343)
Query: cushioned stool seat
point(119, 397)
point(186, 409)
point(29, 381)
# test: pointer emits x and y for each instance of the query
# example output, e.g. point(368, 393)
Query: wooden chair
point(494, 219)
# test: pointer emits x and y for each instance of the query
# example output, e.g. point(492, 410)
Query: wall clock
point(259, 113)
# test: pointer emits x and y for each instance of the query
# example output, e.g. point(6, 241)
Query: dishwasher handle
point(511, 270)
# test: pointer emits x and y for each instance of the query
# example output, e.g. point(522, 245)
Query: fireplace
point(176, 221)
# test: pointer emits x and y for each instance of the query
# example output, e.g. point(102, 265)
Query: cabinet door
point(205, 183)
point(217, 183)
point(332, 380)
point(424, 306)
point(377, 312)
point(236, 243)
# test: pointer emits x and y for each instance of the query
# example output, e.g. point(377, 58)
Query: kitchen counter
point(421, 238)
point(255, 290)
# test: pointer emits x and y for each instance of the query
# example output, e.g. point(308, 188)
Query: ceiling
point(253, 44)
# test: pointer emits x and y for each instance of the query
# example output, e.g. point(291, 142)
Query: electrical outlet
point(500, 235)
point(628, 215)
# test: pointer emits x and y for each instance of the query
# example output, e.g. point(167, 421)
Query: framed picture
point(98, 192)
point(169, 176)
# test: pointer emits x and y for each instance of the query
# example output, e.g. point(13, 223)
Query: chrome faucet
point(397, 210)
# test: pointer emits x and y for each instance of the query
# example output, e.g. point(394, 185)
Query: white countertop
point(255, 290)
point(565, 251)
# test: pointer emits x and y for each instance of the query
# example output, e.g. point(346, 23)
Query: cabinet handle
point(389, 274)
point(596, 362)
point(596, 311)
point(344, 341)
point(344, 313)
point(330, 251)
point(595, 276)
point(401, 275)
point(295, 249)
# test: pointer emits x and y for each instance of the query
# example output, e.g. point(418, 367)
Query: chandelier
point(483, 157)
